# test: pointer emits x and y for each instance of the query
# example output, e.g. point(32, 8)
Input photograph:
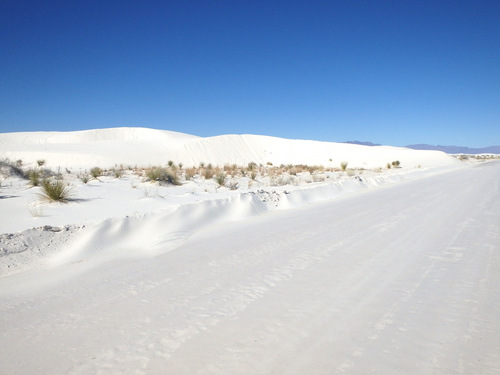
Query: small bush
point(34, 176)
point(118, 173)
point(84, 177)
point(55, 191)
point(162, 176)
point(208, 173)
point(11, 168)
point(96, 172)
point(343, 165)
point(221, 179)
point(40, 162)
point(190, 173)
point(396, 164)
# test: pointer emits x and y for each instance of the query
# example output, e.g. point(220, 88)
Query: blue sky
point(391, 72)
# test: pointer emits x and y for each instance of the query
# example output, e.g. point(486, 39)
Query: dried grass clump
point(208, 172)
point(189, 173)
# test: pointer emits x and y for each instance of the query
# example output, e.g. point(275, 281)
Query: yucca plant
point(84, 177)
point(34, 176)
point(55, 191)
point(220, 179)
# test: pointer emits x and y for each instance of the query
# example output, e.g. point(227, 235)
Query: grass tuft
point(55, 191)
point(220, 179)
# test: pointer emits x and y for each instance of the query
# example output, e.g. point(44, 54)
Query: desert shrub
point(162, 175)
point(55, 191)
point(221, 179)
point(40, 162)
point(280, 181)
point(396, 164)
point(96, 172)
point(154, 173)
point(388, 165)
point(84, 177)
point(318, 177)
point(189, 173)
point(252, 166)
point(343, 165)
point(208, 173)
point(34, 176)
point(117, 172)
point(11, 168)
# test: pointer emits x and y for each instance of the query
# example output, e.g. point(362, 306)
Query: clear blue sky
point(391, 72)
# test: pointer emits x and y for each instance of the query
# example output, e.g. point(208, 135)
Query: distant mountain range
point(458, 149)
point(447, 149)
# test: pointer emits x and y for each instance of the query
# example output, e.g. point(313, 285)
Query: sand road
point(399, 280)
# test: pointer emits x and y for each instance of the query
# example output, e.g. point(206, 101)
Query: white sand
point(387, 273)
point(138, 146)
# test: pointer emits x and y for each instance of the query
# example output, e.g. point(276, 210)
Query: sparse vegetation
point(34, 176)
point(343, 165)
point(96, 172)
point(221, 179)
point(36, 210)
point(55, 190)
point(10, 168)
point(208, 172)
point(163, 175)
point(84, 177)
point(118, 173)
point(189, 173)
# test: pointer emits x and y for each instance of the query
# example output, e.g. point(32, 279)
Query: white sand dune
point(139, 146)
point(391, 272)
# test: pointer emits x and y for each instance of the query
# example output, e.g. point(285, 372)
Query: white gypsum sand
point(368, 272)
